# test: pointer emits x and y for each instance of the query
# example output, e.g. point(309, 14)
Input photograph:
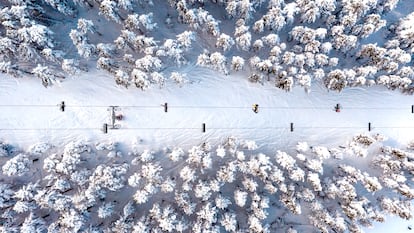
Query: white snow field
point(30, 112)
point(30, 115)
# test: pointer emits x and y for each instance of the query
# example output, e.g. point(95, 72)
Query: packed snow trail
point(223, 103)
point(227, 111)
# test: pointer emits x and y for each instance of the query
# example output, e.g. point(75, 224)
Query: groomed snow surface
point(31, 115)
point(223, 103)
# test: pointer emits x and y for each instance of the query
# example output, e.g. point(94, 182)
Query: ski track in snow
point(312, 113)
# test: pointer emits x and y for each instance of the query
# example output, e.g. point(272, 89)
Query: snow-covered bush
point(6, 149)
point(47, 76)
point(178, 78)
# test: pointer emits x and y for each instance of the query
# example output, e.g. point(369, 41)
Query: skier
point(255, 108)
point(338, 108)
point(119, 117)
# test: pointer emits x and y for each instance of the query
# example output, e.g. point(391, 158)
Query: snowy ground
point(225, 114)
point(193, 104)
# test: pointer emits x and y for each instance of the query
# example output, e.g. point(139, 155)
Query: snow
point(192, 105)
point(31, 118)
point(146, 125)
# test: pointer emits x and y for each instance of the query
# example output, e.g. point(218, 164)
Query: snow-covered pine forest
point(203, 184)
point(143, 43)
point(231, 187)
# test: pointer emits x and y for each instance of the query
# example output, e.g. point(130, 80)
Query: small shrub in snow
point(364, 140)
point(302, 147)
point(44, 73)
point(5, 149)
point(250, 145)
point(178, 78)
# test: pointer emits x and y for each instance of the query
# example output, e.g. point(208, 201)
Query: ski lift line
point(46, 129)
point(211, 128)
point(184, 128)
point(198, 107)
point(28, 106)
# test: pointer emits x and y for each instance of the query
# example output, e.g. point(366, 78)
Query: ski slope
point(30, 112)
point(30, 115)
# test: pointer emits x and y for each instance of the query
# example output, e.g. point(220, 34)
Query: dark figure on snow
point(337, 108)
point(255, 108)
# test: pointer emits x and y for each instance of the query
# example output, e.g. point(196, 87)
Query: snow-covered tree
point(336, 80)
point(140, 79)
point(240, 9)
point(240, 197)
point(70, 66)
point(47, 76)
point(218, 62)
point(274, 19)
point(33, 224)
point(80, 40)
point(6, 195)
point(147, 21)
point(106, 210)
point(17, 166)
point(237, 63)
point(109, 177)
point(229, 222)
point(186, 38)
point(148, 63)
point(178, 78)
point(244, 41)
point(224, 42)
point(108, 8)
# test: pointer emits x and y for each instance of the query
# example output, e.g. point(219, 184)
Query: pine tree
point(17, 166)
point(33, 224)
point(109, 10)
point(106, 210)
point(224, 42)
